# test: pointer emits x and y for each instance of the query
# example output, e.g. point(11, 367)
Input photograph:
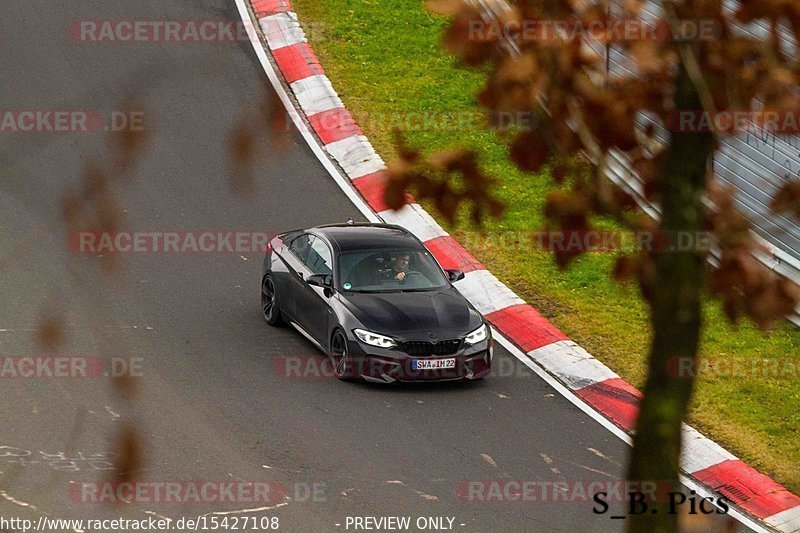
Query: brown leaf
point(404, 150)
point(108, 215)
point(451, 160)
point(529, 151)
point(128, 143)
point(647, 55)
point(243, 144)
point(444, 7)
point(632, 8)
point(625, 268)
point(787, 200)
point(50, 332)
point(126, 385)
point(750, 10)
point(277, 120)
point(398, 179)
point(623, 201)
point(560, 172)
point(648, 170)
point(472, 45)
point(775, 299)
point(561, 205)
point(128, 449)
point(73, 211)
point(95, 181)
point(646, 276)
point(614, 127)
point(437, 179)
point(732, 305)
point(243, 152)
point(569, 211)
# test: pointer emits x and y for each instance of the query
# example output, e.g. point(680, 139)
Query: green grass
point(384, 59)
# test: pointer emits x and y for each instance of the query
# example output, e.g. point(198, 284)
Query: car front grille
point(448, 347)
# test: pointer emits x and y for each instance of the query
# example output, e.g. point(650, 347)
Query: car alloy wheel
point(269, 302)
point(341, 360)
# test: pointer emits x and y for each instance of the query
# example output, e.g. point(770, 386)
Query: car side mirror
point(455, 275)
point(320, 280)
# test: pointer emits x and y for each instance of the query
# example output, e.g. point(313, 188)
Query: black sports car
point(374, 299)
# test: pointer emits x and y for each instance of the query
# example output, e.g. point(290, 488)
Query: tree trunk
point(675, 317)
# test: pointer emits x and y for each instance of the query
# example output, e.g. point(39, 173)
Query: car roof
point(364, 236)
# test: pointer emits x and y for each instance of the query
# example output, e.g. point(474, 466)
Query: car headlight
point(478, 335)
point(374, 339)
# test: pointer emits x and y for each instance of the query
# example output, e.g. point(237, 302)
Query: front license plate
point(433, 364)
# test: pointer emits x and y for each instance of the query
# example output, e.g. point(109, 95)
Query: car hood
point(444, 312)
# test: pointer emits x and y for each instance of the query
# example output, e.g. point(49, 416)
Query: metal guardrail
point(619, 170)
point(755, 163)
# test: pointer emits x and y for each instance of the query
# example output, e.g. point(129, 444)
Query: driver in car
point(398, 270)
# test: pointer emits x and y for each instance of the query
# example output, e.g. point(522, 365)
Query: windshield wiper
point(387, 291)
point(429, 289)
point(366, 291)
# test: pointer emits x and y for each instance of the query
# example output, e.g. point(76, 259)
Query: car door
point(313, 306)
point(299, 249)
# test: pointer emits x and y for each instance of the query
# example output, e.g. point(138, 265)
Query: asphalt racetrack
point(213, 401)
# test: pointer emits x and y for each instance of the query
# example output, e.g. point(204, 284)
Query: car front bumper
point(382, 365)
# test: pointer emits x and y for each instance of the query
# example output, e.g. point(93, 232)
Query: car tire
point(343, 367)
point(270, 305)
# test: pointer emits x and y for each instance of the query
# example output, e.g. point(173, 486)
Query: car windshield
point(389, 271)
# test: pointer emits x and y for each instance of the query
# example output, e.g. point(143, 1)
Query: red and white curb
point(338, 142)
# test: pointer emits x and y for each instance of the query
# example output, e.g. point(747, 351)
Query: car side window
point(319, 260)
point(301, 246)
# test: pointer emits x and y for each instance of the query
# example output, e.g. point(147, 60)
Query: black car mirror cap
point(320, 280)
point(455, 275)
